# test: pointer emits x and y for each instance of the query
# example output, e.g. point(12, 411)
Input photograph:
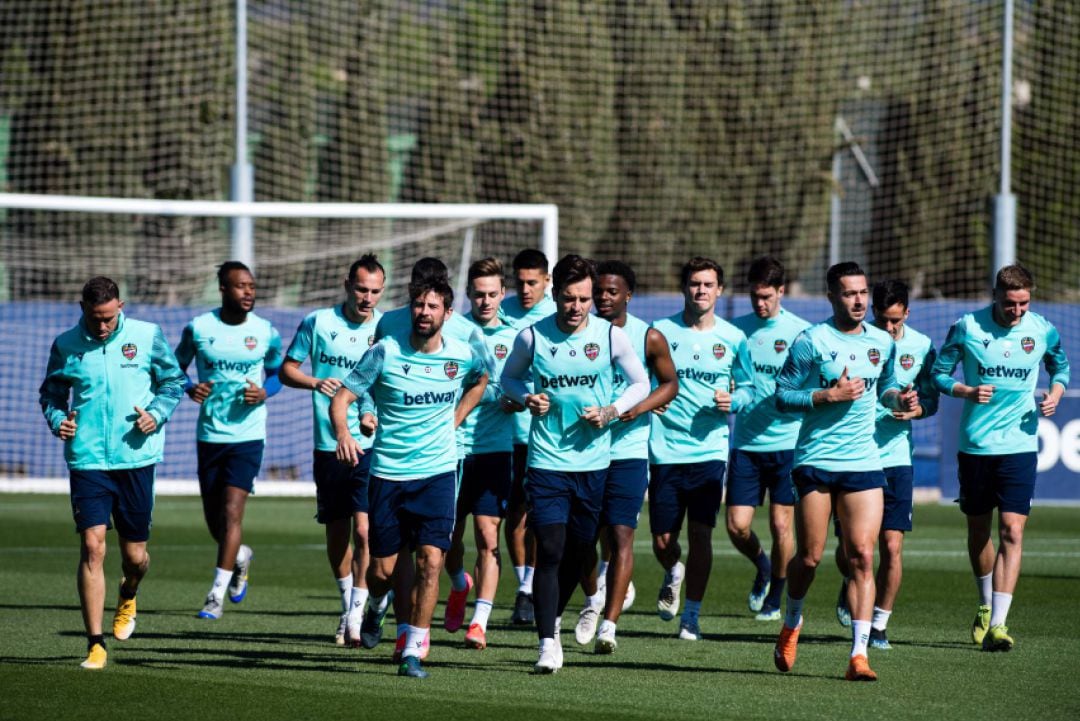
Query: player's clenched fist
point(68, 426)
point(537, 403)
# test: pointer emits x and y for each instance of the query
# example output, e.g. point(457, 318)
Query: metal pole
point(834, 211)
point(1005, 201)
point(243, 181)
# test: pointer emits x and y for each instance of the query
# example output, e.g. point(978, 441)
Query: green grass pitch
point(272, 657)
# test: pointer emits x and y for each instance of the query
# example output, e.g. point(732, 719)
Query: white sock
point(481, 613)
point(457, 579)
point(1000, 608)
point(344, 587)
point(547, 644)
point(677, 572)
point(526, 583)
point(880, 619)
point(377, 602)
point(691, 611)
point(244, 554)
point(519, 573)
point(860, 635)
point(358, 598)
point(986, 588)
point(793, 612)
point(558, 626)
point(221, 582)
point(597, 599)
point(414, 641)
point(601, 570)
point(606, 627)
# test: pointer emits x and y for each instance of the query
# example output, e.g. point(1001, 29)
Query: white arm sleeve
point(516, 371)
point(622, 353)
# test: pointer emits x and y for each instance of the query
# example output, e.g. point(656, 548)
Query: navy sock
point(764, 566)
point(776, 593)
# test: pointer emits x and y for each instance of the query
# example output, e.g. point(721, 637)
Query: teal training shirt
point(512, 311)
point(415, 394)
point(1008, 359)
point(576, 372)
point(105, 381)
point(230, 356)
point(335, 345)
point(915, 357)
point(761, 427)
point(837, 437)
point(487, 429)
point(630, 440)
point(692, 430)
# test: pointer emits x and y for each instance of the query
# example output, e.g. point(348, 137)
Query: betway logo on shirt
point(766, 369)
point(228, 365)
point(868, 383)
point(340, 361)
point(428, 398)
point(694, 374)
point(1004, 372)
point(561, 381)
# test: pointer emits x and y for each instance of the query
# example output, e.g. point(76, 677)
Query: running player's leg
point(520, 541)
point(460, 581)
point(93, 498)
point(132, 516)
point(388, 547)
point(1014, 488)
point(666, 511)
point(860, 517)
point(91, 579)
point(745, 492)
point(782, 499)
point(334, 511)
point(895, 522)
point(486, 533)
point(704, 494)
point(977, 502)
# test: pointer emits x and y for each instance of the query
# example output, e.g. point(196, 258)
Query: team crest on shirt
point(779, 345)
point(500, 351)
point(874, 355)
point(130, 350)
point(1028, 344)
point(451, 369)
point(250, 342)
point(719, 351)
point(907, 361)
point(592, 350)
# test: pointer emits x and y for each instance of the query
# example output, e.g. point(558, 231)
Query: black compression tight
point(558, 569)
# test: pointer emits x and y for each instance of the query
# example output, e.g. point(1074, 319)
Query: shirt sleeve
point(54, 391)
point(743, 372)
point(303, 340)
point(924, 384)
point(361, 380)
point(623, 355)
point(516, 371)
point(1057, 364)
point(790, 395)
point(273, 358)
point(483, 361)
point(185, 350)
point(952, 353)
point(167, 378)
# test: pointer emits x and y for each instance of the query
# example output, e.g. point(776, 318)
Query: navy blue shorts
point(809, 479)
point(898, 498)
point(340, 490)
point(1005, 482)
point(126, 497)
point(520, 473)
point(751, 474)
point(229, 464)
point(695, 490)
point(410, 514)
point(485, 484)
point(624, 492)
point(573, 498)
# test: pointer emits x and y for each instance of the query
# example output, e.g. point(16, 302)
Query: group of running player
point(534, 413)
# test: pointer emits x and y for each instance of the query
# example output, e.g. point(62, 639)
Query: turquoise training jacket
point(105, 381)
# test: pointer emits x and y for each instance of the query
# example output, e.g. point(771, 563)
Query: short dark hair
point(766, 270)
point(484, 268)
point(99, 290)
point(841, 270)
point(619, 268)
point(429, 269)
point(439, 286)
point(572, 269)
point(888, 293)
point(368, 262)
point(1014, 277)
point(697, 264)
point(530, 259)
point(227, 267)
